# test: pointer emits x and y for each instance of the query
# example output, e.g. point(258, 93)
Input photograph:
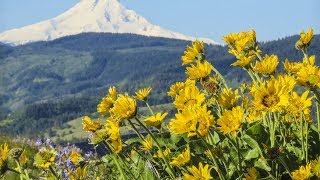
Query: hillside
point(41, 77)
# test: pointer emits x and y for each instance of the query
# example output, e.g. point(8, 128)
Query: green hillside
point(47, 84)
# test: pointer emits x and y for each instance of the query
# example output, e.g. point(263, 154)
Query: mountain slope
point(87, 64)
point(53, 82)
point(90, 16)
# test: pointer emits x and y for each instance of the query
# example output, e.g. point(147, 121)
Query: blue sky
point(272, 19)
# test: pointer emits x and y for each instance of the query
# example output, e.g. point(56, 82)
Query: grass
point(72, 130)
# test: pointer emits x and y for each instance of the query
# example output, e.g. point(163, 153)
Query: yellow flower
point(124, 108)
point(178, 86)
point(315, 167)
point(292, 68)
point(4, 151)
point(273, 95)
point(201, 173)
point(147, 144)
point(89, 125)
point(44, 158)
point(188, 96)
point(79, 173)
point(130, 155)
point(231, 38)
point(267, 65)
point(241, 41)
point(75, 157)
point(243, 46)
point(165, 153)
point(192, 120)
point(192, 53)
point(182, 158)
point(23, 158)
point(107, 102)
point(299, 103)
point(303, 173)
point(228, 98)
point(113, 133)
point(305, 39)
point(253, 116)
point(307, 115)
point(251, 175)
point(112, 129)
point(243, 61)
point(2, 168)
point(230, 121)
point(142, 94)
point(116, 145)
point(309, 61)
point(309, 76)
point(201, 70)
point(155, 120)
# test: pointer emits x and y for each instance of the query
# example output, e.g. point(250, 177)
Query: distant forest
point(45, 84)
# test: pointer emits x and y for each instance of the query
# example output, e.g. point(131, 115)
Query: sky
point(272, 19)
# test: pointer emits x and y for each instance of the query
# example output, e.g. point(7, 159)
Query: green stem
point(115, 160)
point(318, 117)
point(221, 77)
point(252, 77)
point(12, 170)
point(53, 172)
point(149, 108)
point(239, 156)
point(126, 166)
point(272, 131)
point(258, 55)
point(302, 135)
point(213, 157)
point(159, 147)
point(285, 166)
point(21, 172)
point(306, 138)
point(305, 53)
point(136, 130)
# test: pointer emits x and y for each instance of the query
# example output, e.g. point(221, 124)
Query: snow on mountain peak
point(91, 16)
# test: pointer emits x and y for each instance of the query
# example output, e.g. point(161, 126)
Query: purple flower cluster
point(48, 143)
point(63, 162)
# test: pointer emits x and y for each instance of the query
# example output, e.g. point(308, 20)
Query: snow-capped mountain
point(91, 16)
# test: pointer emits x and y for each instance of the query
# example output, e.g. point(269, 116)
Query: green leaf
point(216, 138)
point(98, 136)
point(252, 143)
point(132, 140)
point(262, 164)
point(296, 151)
point(106, 158)
point(175, 138)
point(255, 130)
point(254, 153)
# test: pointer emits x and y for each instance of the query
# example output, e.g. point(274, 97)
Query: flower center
point(190, 102)
point(270, 100)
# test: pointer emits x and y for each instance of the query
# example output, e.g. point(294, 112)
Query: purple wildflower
point(88, 154)
point(38, 142)
point(69, 163)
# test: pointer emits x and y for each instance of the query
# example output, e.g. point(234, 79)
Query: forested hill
point(84, 66)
